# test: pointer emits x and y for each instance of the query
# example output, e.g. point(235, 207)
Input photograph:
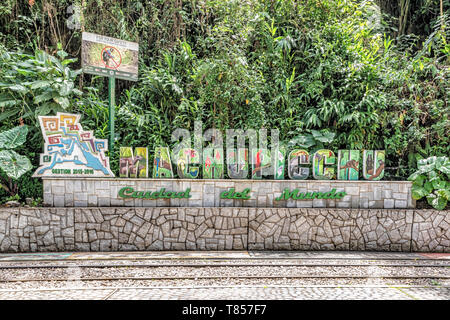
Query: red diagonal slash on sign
point(117, 64)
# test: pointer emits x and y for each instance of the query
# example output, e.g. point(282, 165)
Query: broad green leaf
point(304, 141)
point(40, 84)
point(445, 193)
point(316, 134)
point(426, 165)
point(9, 113)
point(18, 88)
point(13, 164)
point(47, 108)
point(324, 136)
point(62, 54)
point(428, 186)
point(437, 202)
point(421, 163)
point(8, 103)
point(427, 168)
point(66, 88)
point(417, 178)
point(77, 92)
point(432, 175)
point(44, 109)
point(57, 63)
point(68, 61)
point(25, 65)
point(430, 198)
point(63, 102)
point(13, 138)
point(438, 183)
point(43, 97)
point(28, 114)
point(441, 160)
point(432, 160)
point(24, 72)
point(420, 180)
point(75, 73)
point(443, 165)
point(418, 192)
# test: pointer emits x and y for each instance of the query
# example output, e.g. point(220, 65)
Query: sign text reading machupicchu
point(71, 151)
point(239, 160)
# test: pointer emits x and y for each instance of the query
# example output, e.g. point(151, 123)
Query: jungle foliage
point(431, 180)
point(339, 67)
point(12, 163)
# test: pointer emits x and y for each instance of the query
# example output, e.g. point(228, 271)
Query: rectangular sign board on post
point(109, 57)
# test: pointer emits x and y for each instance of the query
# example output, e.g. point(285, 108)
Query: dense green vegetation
point(431, 181)
point(375, 81)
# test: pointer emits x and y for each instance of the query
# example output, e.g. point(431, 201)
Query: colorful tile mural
point(322, 161)
point(298, 160)
point(71, 151)
point(261, 163)
point(133, 165)
point(348, 164)
point(279, 166)
point(162, 166)
point(373, 164)
point(237, 163)
point(188, 163)
point(213, 163)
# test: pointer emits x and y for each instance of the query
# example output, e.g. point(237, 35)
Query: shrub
point(11, 163)
point(432, 181)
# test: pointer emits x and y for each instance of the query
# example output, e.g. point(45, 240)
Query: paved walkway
point(234, 293)
point(218, 255)
point(271, 292)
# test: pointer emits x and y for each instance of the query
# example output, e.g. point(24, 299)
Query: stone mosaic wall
point(31, 230)
point(110, 229)
point(322, 229)
point(431, 231)
point(116, 229)
point(87, 192)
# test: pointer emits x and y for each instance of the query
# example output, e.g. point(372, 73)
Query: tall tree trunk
point(403, 17)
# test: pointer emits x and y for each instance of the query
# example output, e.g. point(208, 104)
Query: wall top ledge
point(227, 180)
point(17, 209)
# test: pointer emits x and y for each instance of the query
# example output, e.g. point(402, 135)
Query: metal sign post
point(111, 100)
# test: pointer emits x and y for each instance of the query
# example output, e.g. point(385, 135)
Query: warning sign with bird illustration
point(109, 57)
